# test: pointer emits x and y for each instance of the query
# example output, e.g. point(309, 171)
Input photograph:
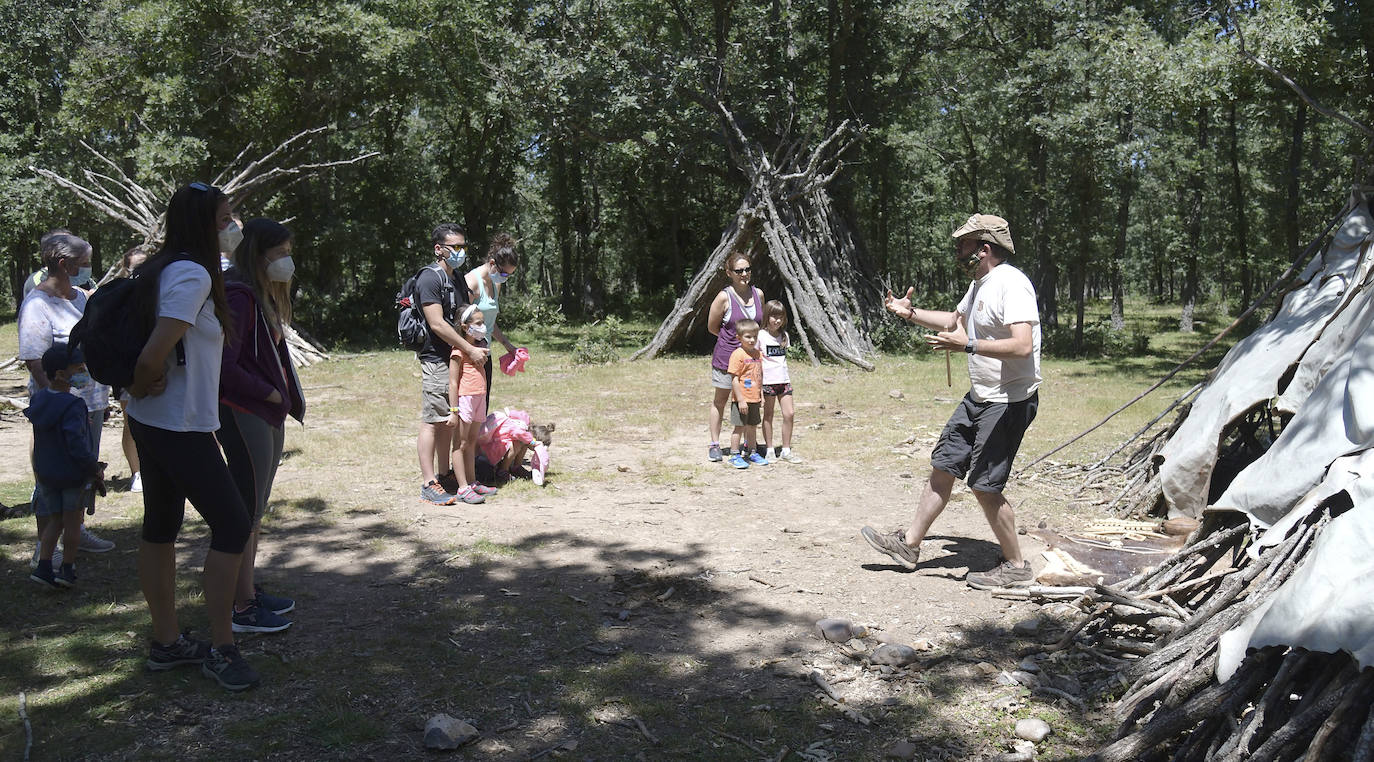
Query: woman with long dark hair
point(174, 414)
point(258, 389)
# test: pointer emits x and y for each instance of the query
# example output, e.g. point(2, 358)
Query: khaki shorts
point(433, 392)
point(748, 415)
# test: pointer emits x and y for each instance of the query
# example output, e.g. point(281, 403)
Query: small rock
point(839, 630)
point(901, 750)
point(623, 469)
point(904, 475)
point(1034, 729)
point(1006, 703)
point(894, 655)
point(445, 732)
point(986, 668)
point(922, 645)
point(892, 701)
point(858, 645)
point(1025, 678)
point(896, 394)
point(1026, 627)
point(624, 615)
point(1005, 678)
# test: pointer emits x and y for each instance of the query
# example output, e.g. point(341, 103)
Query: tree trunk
point(1197, 185)
point(1293, 202)
point(1240, 214)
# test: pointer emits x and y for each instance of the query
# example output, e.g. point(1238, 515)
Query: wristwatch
point(971, 347)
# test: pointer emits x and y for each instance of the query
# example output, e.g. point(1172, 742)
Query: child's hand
point(452, 421)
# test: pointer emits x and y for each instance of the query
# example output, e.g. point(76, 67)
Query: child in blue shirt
point(63, 460)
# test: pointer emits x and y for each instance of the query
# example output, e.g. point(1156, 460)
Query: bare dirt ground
point(644, 604)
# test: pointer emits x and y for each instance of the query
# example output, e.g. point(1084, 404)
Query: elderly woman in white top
point(46, 317)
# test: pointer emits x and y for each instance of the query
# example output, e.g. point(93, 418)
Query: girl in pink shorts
point(467, 394)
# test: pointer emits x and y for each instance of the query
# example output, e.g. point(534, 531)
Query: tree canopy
point(1133, 146)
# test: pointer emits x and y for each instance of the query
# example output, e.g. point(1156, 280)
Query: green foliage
point(1099, 340)
point(893, 336)
point(530, 311)
point(597, 344)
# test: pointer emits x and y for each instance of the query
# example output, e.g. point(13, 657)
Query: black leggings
point(187, 465)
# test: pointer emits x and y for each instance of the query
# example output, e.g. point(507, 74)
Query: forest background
point(1135, 151)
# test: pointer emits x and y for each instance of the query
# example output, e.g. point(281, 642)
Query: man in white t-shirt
point(997, 324)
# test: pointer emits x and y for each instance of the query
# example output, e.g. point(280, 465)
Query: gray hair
point(60, 247)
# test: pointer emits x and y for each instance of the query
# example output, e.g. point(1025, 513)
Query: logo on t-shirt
point(775, 350)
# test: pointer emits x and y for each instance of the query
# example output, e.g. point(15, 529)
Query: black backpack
point(118, 320)
point(411, 329)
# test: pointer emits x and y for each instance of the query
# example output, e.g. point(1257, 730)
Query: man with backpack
point(439, 299)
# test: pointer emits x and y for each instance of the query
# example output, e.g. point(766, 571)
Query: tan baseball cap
point(987, 227)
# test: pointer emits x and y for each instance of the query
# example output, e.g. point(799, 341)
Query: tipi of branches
point(1255, 641)
point(109, 189)
point(789, 224)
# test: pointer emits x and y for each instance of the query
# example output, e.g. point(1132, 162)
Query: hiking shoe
point(136, 484)
point(713, 453)
point(435, 494)
point(92, 544)
point(56, 556)
point(484, 490)
point(449, 482)
point(228, 668)
point(469, 495)
point(757, 459)
point(185, 650)
point(738, 462)
point(44, 575)
point(1004, 574)
point(894, 545)
point(273, 603)
point(258, 619)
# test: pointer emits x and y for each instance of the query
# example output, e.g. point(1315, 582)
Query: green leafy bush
point(531, 311)
point(596, 346)
point(894, 336)
point(1099, 340)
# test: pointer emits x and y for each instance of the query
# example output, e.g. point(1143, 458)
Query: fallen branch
point(28, 728)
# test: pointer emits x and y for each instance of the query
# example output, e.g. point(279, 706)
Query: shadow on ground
point(543, 656)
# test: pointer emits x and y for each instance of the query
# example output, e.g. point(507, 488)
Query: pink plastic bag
point(511, 362)
point(539, 463)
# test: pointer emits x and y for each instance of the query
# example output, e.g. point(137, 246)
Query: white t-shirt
point(45, 320)
point(774, 358)
point(993, 303)
point(191, 400)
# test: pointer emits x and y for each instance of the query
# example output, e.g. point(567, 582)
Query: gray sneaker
point(1004, 574)
point(435, 494)
point(469, 496)
point(894, 545)
point(56, 557)
point(226, 666)
point(713, 453)
point(184, 650)
point(92, 544)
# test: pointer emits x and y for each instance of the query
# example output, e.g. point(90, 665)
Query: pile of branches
point(1161, 629)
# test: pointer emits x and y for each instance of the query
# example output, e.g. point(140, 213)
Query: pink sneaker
point(483, 490)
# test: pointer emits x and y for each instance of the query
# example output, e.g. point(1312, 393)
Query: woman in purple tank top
point(735, 302)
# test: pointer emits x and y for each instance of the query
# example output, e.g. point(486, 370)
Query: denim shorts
point(981, 439)
point(52, 501)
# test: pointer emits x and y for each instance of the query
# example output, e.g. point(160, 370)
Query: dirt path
point(639, 583)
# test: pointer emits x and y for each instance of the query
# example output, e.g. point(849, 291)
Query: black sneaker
point(43, 575)
point(448, 481)
point(185, 650)
point(273, 603)
point(228, 668)
point(258, 619)
point(894, 545)
point(66, 576)
point(1005, 574)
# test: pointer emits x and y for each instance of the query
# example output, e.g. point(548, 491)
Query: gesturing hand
point(900, 307)
point(952, 341)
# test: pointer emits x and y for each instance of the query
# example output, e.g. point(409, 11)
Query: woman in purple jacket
point(258, 389)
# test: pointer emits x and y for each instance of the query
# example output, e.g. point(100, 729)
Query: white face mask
point(281, 270)
point(478, 332)
point(230, 237)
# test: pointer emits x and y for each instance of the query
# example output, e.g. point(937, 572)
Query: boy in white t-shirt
point(997, 324)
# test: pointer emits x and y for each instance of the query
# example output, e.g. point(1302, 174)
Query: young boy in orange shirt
point(746, 371)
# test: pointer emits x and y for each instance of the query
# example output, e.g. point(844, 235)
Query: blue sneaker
point(757, 459)
point(737, 461)
point(274, 603)
point(258, 619)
